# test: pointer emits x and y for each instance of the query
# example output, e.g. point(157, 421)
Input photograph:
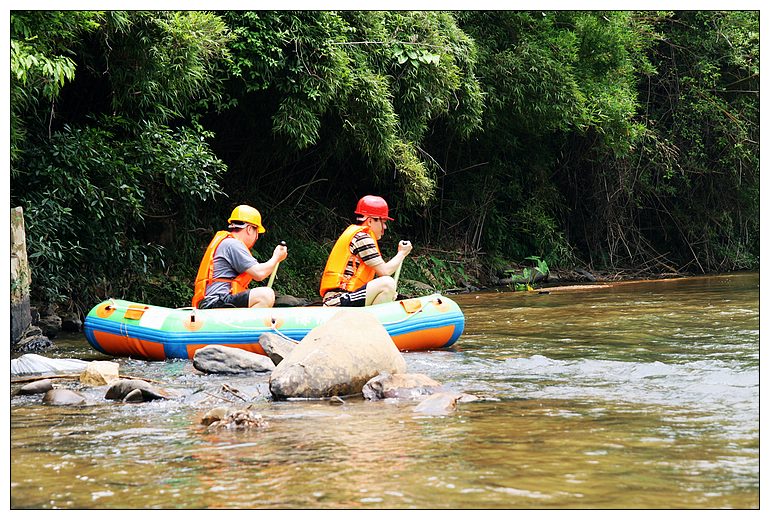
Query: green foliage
point(88, 193)
point(177, 165)
point(372, 123)
point(560, 88)
point(526, 278)
point(534, 220)
point(578, 167)
point(41, 42)
point(163, 65)
point(53, 72)
point(417, 183)
point(541, 266)
point(375, 80)
point(440, 271)
point(300, 273)
point(702, 180)
point(163, 289)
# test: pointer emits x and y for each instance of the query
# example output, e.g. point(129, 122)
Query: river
point(642, 395)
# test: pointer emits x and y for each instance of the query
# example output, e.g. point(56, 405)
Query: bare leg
point(261, 297)
point(380, 290)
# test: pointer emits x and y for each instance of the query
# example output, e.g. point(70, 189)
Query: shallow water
point(643, 395)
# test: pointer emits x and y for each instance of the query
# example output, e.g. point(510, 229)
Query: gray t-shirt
point(230, 259)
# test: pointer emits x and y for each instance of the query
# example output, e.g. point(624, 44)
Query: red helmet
point(372, 206)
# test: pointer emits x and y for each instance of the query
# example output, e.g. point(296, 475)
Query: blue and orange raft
point(126, 329)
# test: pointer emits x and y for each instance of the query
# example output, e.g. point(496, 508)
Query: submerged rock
point(63, 397)
point(219, 359)
point(399, 386)
point(337, 358)
point(134, 396)
point(214, 415)
point(121, 389)
point(443, 403)
point(224, 418)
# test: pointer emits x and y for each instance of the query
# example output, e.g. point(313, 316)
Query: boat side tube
point(127, 329)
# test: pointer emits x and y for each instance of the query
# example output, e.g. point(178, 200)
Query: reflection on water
point(643, 395)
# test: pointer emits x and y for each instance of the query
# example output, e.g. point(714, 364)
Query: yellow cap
point(249, 215)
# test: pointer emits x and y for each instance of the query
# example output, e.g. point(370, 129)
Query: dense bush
point(109, 195)
point(92, 195)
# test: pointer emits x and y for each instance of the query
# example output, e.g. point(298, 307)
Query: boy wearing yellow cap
point(228, 267)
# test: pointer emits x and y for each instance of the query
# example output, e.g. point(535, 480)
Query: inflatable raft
point(127, 329)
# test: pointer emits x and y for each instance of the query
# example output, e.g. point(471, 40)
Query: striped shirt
point(362, 248)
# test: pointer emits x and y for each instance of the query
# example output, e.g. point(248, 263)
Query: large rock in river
point(337, 358)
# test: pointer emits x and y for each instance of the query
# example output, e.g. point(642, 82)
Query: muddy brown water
point(641, 395)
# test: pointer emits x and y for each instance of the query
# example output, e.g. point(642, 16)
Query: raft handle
point(192, 316)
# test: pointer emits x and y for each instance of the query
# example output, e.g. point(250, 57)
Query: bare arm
point(261, 271)
point(389, 267)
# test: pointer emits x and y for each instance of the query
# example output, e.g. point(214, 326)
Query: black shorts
point(240, 299)
point(339, 298)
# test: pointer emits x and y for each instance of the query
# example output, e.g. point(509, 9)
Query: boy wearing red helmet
point(349, 277)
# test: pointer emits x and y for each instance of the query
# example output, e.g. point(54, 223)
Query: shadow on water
point(640, 395)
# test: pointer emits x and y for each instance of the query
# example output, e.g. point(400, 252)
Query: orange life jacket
point(205, 275)
point(334, 272)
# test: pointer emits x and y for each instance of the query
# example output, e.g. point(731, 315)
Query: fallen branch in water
point(573, 287)
point(233, 391)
